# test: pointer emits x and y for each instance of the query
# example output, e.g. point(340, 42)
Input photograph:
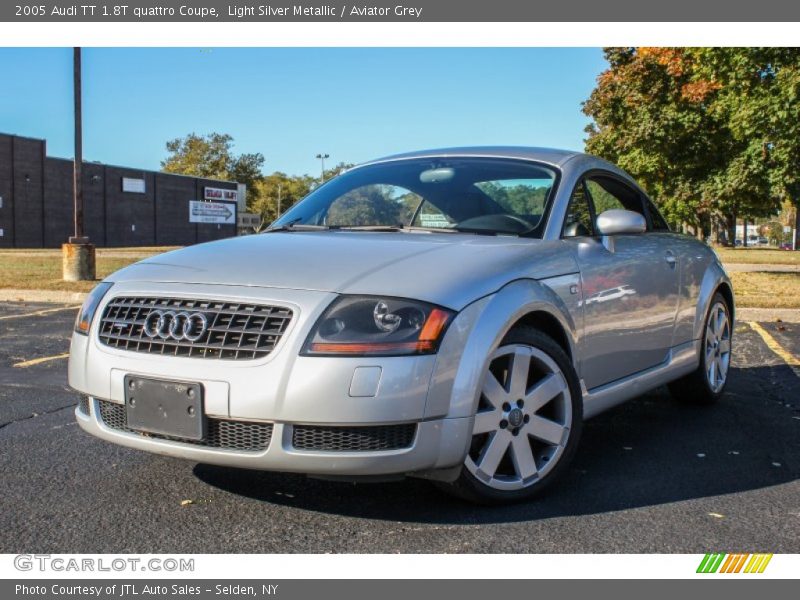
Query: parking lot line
point(38, 361)
point(787, 357)
point(37, 313)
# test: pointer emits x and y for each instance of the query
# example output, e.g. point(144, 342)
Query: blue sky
point(290, 104)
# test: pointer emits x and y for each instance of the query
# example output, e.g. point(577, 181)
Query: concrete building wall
point(6, 197)
point(94, 202)
point(28, 192)
point(130, 216)
point(36, 208)
point(172, 215)
point(59, 223)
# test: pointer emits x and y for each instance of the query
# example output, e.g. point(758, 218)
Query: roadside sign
point(212, 193)
point(201, 211)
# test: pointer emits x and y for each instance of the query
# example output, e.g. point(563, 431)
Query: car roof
point(566, 160)
point(550, 156)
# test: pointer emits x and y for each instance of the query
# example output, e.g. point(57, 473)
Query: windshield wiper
point(295, 225)
point(393, 228)
point(380, 228)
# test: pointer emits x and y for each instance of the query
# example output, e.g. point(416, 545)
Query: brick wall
point(36, 209)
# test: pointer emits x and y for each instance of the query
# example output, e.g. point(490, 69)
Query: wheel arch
point(726, 290)
point(548, 324)
point(477, 333)
point(714, 280)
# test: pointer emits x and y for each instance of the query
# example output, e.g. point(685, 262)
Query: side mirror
point(617, 221)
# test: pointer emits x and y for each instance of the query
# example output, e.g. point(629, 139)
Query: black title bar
point(401, 11)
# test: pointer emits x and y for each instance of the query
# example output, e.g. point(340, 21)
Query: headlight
point(84, 320)
point(377, 326)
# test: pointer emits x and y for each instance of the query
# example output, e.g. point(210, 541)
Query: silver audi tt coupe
point(451, 314)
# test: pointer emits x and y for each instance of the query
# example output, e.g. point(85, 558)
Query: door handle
point(670, 258)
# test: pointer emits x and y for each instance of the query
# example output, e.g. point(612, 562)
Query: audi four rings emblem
point(168, 324)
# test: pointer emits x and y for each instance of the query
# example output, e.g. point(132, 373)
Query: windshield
point(479, 195)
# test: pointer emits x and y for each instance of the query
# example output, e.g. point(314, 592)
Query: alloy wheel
point(717, 346)
point(523, 420)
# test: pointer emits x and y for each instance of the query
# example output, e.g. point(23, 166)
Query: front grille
point(234, 331)
point(349, 439)
point(225, 434)
point(83, 405)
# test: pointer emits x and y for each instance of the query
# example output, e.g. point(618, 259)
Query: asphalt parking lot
point(653, 475)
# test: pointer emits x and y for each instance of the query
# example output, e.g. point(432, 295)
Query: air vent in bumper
point(353, 438)
point(243, 436)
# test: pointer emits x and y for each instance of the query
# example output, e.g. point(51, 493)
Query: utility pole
point(322, 158)
point(77, 237)
point(78, 255)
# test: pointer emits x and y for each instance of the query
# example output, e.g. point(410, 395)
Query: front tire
point(528, 422)
point(706, 384)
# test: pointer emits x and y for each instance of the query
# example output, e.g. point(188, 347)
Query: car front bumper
point(288, 390)
point(436, 444)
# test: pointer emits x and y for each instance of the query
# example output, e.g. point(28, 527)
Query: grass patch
point(41, 269)
point(758, 256)
point(766, 290)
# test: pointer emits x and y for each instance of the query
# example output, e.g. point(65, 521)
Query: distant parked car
point(453, 315)
point(786, 246)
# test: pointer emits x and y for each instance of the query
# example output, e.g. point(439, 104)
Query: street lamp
point(322, 158)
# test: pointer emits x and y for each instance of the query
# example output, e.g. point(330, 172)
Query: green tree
point(212, 156)
point(337, 169)
point(758, 97)
point(708, 131)
point(650, 117)
point(277, 191)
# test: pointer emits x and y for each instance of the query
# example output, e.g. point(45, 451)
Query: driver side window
point(610, 193)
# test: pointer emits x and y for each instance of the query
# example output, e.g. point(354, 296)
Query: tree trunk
point(712, 230)
point(719, 236)
point(731, 229)
point(744, 235)
point(796, 236)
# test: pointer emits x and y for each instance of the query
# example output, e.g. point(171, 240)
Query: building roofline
point(99, 163)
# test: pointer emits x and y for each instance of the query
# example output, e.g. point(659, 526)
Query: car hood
point(447, 269)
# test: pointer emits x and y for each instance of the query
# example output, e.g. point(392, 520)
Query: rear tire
point(528, 422)
point(706, 384)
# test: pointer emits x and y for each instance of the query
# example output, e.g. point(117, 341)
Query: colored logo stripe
point(734, 563)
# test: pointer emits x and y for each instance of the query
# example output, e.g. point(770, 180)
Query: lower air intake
point(353, 439)
point(242, 436)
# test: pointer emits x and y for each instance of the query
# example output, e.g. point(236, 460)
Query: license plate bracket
point(169, 408)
